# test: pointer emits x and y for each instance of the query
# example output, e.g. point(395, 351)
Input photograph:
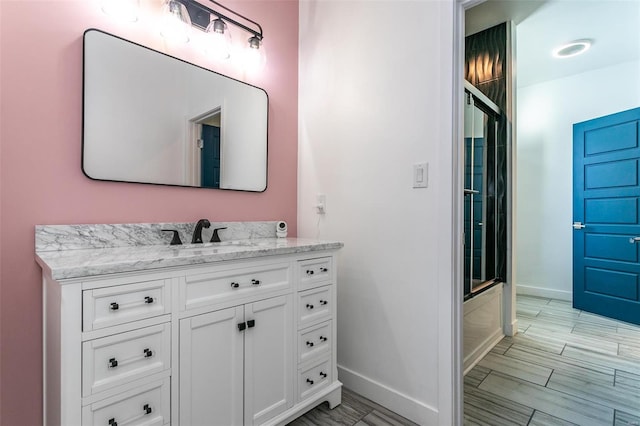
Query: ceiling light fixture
point(574, 48)
point(217, 28)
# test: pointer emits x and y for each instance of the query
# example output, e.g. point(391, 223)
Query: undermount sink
point(225, 246)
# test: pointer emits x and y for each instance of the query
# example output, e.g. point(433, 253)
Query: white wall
point(376, 97)
point(546, 114)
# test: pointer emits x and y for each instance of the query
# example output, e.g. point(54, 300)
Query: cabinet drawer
point(106, 307)
point(315, 305)
point(315, 272)
point(115, 360)
point(147, 405)
point(314, 342)
point(216, 287)
point(313, 379)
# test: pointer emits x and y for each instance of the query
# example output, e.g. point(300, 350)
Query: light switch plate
point(421, 175)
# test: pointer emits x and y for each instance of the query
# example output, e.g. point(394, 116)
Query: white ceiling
point(613, 25)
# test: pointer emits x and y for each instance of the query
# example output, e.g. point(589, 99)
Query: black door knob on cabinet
point(309, 272)
point(310, 344)
point(148, 299)
point(235, 285)
point(251, 323)
point(148, 353)
point(324, 270)
point(323, 375)
point(112, 422)
point(310, 381)
point(113, 363)
point(255, 282)
point(323, 302)
point(309, 306)
point(147, 409)
point(114, 306)
point(323, 339)
point(242, 326)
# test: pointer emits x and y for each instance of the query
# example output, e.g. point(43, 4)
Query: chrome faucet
point(197, 233)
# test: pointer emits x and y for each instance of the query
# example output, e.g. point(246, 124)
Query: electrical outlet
point(321, 204)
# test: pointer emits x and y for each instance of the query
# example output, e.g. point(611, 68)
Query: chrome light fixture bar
point(201, 18)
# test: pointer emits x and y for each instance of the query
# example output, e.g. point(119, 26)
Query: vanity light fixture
point(254, 57)
point(125, 10)
point(218, 30)
point(218, 39)
point(574, 48)
point(176, 22)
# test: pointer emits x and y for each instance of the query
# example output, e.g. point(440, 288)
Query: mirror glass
point(152, 118)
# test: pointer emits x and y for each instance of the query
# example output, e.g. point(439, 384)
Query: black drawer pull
point(146, 409)
point(255, 282)
point(323, 375)
point(113, 362)
point(323, 339)
point(114, 306)
point(323, 302)
point(235, 285)
point(310, 344)
point(324, 270)
point(309, 306)
point(309, 272)
point(310, 381)
point(242, 326)
point(251, 323)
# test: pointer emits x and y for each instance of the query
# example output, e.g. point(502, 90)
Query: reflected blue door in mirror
point(210, 164)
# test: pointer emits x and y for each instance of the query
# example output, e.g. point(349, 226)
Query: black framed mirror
point(151, 118)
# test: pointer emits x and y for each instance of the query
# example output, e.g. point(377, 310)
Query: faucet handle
point(176, 237)
point(215, 238)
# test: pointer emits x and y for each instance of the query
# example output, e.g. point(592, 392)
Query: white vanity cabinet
point(235, 364)
point(233, 342)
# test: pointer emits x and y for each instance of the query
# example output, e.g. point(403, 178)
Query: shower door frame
point(490, 109)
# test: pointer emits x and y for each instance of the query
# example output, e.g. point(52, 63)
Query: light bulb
point(176, 23)
point(218, 44)
point(254, 57)
point(124, 10)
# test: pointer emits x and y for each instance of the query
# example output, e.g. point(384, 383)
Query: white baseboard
point(511, 329)
point(482, 350)
point(550, 293)
point(406, 406)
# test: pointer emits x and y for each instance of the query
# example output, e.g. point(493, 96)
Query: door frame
point(509, 308)
point(457, 180)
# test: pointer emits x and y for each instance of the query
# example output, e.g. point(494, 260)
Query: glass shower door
point(479, 199)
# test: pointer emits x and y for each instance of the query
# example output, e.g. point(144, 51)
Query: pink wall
point(40, 177)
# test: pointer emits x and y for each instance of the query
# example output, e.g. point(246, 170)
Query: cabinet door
point(211, 358)
point(269, 364)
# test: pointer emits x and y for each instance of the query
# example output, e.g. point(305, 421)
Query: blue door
point(606, 236)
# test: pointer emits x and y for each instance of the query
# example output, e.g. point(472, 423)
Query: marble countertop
point(67, 264)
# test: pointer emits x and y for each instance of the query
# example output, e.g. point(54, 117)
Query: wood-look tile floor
point(355, 410)
point(564, 367)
